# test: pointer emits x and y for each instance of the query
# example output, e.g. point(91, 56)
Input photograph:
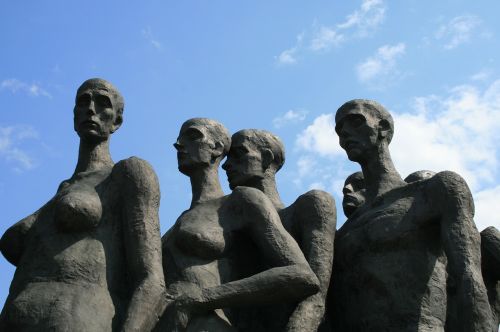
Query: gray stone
point(419, 175)
point(408, 259)
point(225, 253)
point(490, 251)
point(254, 158)
point(90, 259)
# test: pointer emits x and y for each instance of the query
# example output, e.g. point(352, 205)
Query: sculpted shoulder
point(450, 183)
point(317, 198)
point(248, 195)
point(138, 173)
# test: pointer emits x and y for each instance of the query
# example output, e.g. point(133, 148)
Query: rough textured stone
point(225, 252)
point(254, 158)
point(90, 259)
point(408, 259)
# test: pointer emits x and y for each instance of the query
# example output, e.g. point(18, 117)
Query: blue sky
point(284, 66)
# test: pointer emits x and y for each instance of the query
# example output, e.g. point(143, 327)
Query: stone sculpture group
point(408, 258)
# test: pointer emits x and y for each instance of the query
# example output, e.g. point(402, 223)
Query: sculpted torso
point(401, 265)
point(78, 271)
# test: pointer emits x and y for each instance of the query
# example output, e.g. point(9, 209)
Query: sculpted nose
point(177, 146)
point(91, 109)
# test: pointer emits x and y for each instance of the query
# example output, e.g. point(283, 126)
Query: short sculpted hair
point(103, 84)
point(217, 132)
point(376, 110)
point(264, 139)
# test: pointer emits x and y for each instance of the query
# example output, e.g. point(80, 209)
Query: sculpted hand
point(186, 305)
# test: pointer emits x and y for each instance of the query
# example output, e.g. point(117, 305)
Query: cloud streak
point(377, 69)
point(14, 86)
point(361, 23)
point(290, 117)
point(459, 30)
point(11, 139)
point(148, 35)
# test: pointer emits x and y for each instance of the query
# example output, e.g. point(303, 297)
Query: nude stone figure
point(254, 158)
point(408, 259)
point(490, 253)
point(90, 258)
point(212, 251)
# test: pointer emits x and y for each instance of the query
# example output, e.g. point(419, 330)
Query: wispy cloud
point(361, 23)
point(32, 89)
point(456, 131)
point(288, 56)
point(382, 66)
point(148, 35)
point(11, 139)
point(290, 117)
point(459, 30)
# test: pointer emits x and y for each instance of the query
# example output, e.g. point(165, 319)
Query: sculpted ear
point(218, 150)
point(267, 158)
point(118, 123)
point(384, 130)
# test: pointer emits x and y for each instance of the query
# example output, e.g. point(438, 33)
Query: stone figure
point(408, 259)
point(90, 258)
point(211, 252)
point(353, 193)
point(254, 158)
point(490, 251)
point(419, 175)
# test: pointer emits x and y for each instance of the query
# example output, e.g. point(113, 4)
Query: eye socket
point(193, 134)
point(103, 101)
point(83, 100)
point(356, 120)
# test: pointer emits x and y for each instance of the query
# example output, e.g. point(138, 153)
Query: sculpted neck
point(268, 186)
point(380, 174)
point(93, 156)
point(205, 184)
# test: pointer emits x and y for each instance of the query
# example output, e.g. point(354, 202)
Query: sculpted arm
point(141, 237)
point(468, 301)
point(291, 279)
point(314, 220)
point(12, 243)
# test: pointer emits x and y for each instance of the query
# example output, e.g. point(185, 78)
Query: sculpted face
point(354, 193)
point(244, 163)
point(194, 147)
point(96, 114)
point(358, 132)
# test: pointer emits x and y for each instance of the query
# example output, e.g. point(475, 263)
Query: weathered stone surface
point(254, 158)
point(408, 259)
point(90, 259)
point(225, 253)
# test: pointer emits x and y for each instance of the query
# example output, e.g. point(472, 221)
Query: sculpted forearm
point(461, 242)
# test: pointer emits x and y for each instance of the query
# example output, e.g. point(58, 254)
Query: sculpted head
point(254, 155)
point(364, 127)
point(354, 193)
point(419, 175)
point(98, 110)
point(201, 143)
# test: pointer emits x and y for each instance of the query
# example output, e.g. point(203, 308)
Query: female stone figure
point(90, 259)
point(408, 259)
point(212, 251)
point(253, 161)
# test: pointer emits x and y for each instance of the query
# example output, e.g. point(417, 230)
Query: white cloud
point(290, 117)
point(458, 30)
point(148, 35)
point(325, 38)
point(14, 85)
point(482, 75)
point(486, 204)
point(458, 131)
point(382, 65)
point(10, 146)
point(359, 24)
point(288, 57)
point(366, 19)
point(320, 137)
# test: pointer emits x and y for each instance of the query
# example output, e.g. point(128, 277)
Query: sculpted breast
point(77, 208)
point(203, 237)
